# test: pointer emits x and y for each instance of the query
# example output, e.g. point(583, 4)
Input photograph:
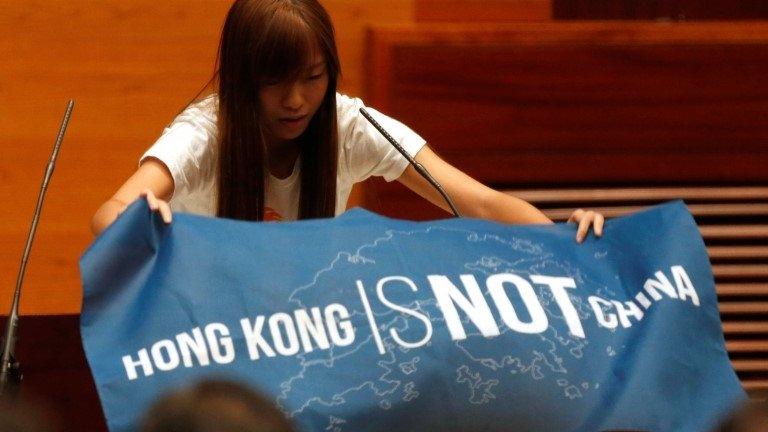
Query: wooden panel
point(462, 11)
point(130, 66)
point(746, 328)
point(699, 194)
point(351, 18)
point(661, 9)
point(585, 103)
point(742, 289)
point(630, 93)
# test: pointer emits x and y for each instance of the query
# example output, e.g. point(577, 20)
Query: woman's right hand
point(158, 205)
point(152, 181)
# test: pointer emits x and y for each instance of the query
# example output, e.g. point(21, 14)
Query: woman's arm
point(477, 200)
point(472, 198)
point(152, 180)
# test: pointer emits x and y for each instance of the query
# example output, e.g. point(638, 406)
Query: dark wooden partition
point(56, 377)
point(558, 104)
point(606, 115)
point(677, 10)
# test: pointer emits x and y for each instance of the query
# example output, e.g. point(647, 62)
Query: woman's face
point(288, 106)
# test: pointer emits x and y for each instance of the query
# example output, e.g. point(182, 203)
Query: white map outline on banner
point(385, 385)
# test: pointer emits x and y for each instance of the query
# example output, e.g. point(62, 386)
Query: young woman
point(275, 141)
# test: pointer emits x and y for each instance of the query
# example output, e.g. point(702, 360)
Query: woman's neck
point(281, 158)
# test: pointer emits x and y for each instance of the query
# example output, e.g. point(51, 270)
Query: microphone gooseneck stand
point(419, 168)
point(10, 372)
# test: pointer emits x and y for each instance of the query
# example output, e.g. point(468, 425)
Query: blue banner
point(364, 323)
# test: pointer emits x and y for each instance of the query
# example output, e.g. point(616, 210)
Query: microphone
point(10, 367)
point(419, 168)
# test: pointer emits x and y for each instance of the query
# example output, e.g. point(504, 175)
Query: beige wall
point(130, 66)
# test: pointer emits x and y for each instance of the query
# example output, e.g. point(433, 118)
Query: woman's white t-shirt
point(188, 147)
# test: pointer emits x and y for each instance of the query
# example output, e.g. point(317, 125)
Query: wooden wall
point(462, 11)
point(581, 103)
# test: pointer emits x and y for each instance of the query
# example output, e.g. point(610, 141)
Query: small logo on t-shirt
point(270, 215)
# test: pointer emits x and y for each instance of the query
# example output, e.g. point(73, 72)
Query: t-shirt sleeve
point(187, 147)
point(367, 152)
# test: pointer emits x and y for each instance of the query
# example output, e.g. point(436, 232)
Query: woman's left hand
point(585, 218)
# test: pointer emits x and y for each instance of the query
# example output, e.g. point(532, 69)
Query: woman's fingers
point(576, 216)
point(585, 219)
point(158, 205)
point(165, 211)
point(598, 224)
point(584, 224)
point(151, 200)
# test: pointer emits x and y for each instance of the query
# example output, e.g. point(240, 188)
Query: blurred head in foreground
point(20, 415)
point(751, 417)
point(214, 406)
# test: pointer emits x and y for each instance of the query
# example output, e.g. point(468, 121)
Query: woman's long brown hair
point(265, 41)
